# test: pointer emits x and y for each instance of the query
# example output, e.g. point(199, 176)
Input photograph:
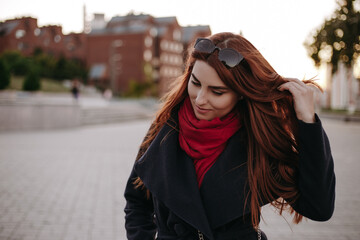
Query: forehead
point(206, 74)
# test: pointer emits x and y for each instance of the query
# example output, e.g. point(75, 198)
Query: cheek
point(225, 103)
point(191, 90)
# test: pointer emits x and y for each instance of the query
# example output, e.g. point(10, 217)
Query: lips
point(201, 110)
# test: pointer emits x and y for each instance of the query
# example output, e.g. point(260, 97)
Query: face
point(209, 96)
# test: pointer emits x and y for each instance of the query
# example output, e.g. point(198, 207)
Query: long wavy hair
point(266, 114)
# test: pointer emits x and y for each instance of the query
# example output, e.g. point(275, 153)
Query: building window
point(177, 35)
point(172, 47)
point(117, 43)
point(179, 48)
point(20, 33)
point(148, 41)
point(164, 58)
point(57, 38)
point(37, 32)
point(164, 45)
point(147, 55)
point(153, 32)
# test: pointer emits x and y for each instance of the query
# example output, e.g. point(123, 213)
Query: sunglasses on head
point(228, 56)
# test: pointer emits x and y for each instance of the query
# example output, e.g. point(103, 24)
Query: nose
point(201, 97)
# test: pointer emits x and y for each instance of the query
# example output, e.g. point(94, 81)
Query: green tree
point(337, 40)
point(337, 43)
point(59, 71)
point(47, 66)
point(69, 69)
point(17, 63)
point(4, 75)
point(45, 62)
point(32, 80)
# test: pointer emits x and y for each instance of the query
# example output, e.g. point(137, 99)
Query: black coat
point(178, 209)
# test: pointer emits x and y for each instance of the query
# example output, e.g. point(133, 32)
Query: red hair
point(267, 115)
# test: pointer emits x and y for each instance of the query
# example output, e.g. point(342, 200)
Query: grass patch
point(47, 85)
point(338, 111)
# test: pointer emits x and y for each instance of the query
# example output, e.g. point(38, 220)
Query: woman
point(232, 136)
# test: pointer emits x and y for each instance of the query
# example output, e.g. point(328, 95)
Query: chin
point(202, 117)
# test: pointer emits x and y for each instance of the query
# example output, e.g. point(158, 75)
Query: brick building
point(139, 48)
point(50, 40)
point(75, 46)
point(136, 48)
point(19, 34)
point(24, 35)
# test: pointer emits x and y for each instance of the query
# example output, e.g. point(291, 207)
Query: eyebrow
point(212, 87)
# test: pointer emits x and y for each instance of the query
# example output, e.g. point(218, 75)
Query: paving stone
point(68, 184)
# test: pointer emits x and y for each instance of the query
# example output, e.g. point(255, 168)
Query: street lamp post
point(115, 64)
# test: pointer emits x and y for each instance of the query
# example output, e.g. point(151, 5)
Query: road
point(68, 184)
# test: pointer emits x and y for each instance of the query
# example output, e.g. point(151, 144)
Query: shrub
point(32, 80)
point(48, 66)
point(4, 75)
point(17, 63)
point(141, 89)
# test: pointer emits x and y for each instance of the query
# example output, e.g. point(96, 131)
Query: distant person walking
point(75, 88)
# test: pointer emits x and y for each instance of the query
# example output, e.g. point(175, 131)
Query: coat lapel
point(170, 176)
point(224, 189)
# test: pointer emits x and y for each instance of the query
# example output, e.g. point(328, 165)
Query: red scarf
point(204, 140)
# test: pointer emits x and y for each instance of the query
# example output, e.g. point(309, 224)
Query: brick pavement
point(68, 184)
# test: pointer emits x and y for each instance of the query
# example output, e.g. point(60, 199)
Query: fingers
point(295, 80)
point(291, 86)
point(296, 87)
point(303, 96)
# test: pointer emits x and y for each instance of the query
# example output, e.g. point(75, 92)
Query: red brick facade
point(24, 35)
point(137, 48)
point(75, 46)
point(120, 57)
point(19, 34)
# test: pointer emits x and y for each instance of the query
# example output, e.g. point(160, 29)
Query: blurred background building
point(24, 35)
point(126, 53)
point(136, 49)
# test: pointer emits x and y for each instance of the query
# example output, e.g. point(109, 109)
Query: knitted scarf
point(203, 140)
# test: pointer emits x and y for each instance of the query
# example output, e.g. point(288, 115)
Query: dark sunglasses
point(228, 56)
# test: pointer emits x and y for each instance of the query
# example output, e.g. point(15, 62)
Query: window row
point(171, 59)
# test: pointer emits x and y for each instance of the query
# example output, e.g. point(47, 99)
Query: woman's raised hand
point(303, 96)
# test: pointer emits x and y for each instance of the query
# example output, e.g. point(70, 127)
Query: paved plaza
point(68, 184)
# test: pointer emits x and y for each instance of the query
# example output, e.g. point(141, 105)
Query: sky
point(278, 28)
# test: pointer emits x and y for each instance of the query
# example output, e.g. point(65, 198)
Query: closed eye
point(217, 90)
point(198, 84)
point(195, 83)
point(218, 93)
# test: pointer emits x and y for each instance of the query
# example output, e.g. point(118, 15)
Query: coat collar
point(225, 187)
point(170, 176)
